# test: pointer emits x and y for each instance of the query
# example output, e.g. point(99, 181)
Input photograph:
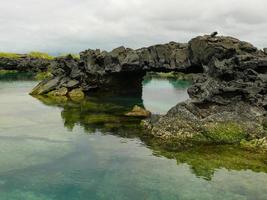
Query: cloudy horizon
point(60, 26)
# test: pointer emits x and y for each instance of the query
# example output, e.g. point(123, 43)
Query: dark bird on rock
point(214, 34)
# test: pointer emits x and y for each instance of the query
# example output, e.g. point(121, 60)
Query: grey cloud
point(58, 26)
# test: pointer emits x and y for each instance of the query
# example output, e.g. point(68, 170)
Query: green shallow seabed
point(52, 149)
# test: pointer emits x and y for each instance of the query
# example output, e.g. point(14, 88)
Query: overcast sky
point(59, 26)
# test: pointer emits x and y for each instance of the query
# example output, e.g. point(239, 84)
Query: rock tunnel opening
point(161, 91)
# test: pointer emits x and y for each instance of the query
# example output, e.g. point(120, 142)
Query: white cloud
point(74, 25)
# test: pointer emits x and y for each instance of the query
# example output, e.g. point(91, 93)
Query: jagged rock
point(230, 95)
point(138, 111)
point(228, 103)
point(101, 69)
point(265, 50)
point(46, 86)
point(70, 83)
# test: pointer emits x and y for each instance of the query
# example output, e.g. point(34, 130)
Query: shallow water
point(61, 150)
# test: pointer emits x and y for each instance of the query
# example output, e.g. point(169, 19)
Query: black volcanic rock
point(230, 97)
point(168, 57)
point(24, 63)
point(107, 70)
point(227, 103)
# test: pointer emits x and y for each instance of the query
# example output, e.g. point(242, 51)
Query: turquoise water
point(60, 150)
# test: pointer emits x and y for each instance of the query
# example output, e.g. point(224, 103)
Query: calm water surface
point(60, 150)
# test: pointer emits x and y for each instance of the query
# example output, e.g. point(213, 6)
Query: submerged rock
point(138, 111)
point(76, 94)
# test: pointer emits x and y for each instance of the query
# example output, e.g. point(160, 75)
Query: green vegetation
point(77, 56)
point(224, 133)
point(205, 160)
point(259, 144)
point(35, 54)
point(76, 94)
point(43, 75)
point(59, 92)
point(53, 100)
point(9, 55)
point(4, 72)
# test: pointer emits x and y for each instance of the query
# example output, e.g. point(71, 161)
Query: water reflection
point(160, 94)
point(107, 117)
point(55, 149)
point(13, 76)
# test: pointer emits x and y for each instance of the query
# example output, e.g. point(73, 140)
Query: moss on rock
point(76, 94)
point(224, 132)
point(59, 92)
point(254, 144)
point(43, 75)
point(138, 111)
point(4, 72)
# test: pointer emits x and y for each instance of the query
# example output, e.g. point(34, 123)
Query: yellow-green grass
point(9, 55)
point(36, 54)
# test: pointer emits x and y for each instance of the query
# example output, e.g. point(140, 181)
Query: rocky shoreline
point(228, 103)
point(24, 63)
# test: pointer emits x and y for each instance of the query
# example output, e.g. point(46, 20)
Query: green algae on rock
point(5, 71)
point(224, 132)
point(257, 144)
point(43, 75)
point(138, 111)
point(76, 94)
point(59, 92)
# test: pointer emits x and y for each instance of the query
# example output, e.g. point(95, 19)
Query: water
point(60, 150)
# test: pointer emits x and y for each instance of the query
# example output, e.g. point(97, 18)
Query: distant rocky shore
point(24, 62)
point(227, 105)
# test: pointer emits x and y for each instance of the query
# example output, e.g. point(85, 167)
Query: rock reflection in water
point(107, 116)
point(94, 113)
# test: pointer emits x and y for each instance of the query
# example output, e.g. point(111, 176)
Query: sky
point(63, 26)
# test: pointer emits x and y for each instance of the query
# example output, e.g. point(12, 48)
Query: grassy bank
point(33, 54)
